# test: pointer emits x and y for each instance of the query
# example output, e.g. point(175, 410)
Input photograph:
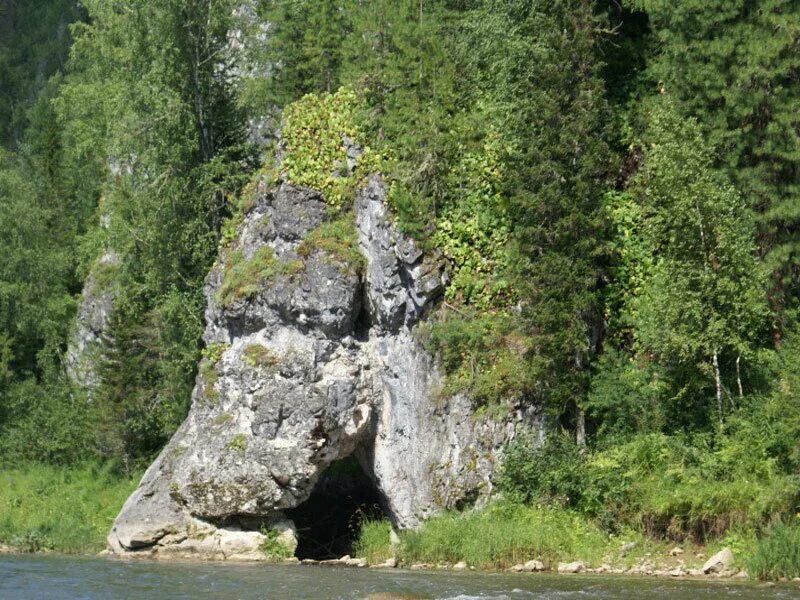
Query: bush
point(272, 547)
point(550, 472)
point(48, 422)
point(777, 554)
point(313, 134)
point(656, 484)
point(482, 355)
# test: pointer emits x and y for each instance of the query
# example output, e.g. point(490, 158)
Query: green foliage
point(658, 485)
point(374, 541)
point(339, 240)
point(705, 296)
point(482, 355)
point(627, 395)
point(272, 547)
point(213, 352)
point(314, 134)
point(307, 35)
point(48, 422)
point(63, 509)
point(551, 471)
point(244, 278)
point(474, 229)
point(34, 41)
point(733, 65)
point(36, 303)
point(777, 554)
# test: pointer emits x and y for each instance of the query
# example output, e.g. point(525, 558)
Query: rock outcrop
point(94, 311)
point(316, 361)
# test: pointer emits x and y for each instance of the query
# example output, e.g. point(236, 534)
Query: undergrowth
point(374, 541)
point(272, 546)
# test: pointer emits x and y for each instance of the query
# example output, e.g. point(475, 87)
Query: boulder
point(572, 567)
point(721, 561)
point(531, 566)
point(240, 545)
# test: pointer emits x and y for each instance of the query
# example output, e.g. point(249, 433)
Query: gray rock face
point(319, 363)
point(94, 311)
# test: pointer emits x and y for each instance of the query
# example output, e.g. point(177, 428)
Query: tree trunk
point(580, 433)
point(739, 376)
point(718, 380)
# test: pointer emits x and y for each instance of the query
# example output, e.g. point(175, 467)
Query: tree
point(735, 66)
point(149, 94)
point(544, 78)
point(305, 46)
point(703, 303)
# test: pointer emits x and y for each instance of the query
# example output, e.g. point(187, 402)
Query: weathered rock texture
point(94, 312)
point(320, 364)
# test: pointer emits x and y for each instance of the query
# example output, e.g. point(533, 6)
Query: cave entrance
point(328, 523)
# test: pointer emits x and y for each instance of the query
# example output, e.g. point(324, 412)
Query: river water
point(64, 578)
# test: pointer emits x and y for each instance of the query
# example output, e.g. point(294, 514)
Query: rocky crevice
point(319, 363)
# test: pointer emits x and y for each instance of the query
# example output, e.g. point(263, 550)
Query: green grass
point(244, 278)
point(374, 542)
point(777, 554)
point(338, 239)
point(257, 355)
point(62, 509)
point(503, 535)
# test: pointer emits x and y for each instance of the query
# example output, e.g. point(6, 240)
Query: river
point(67, 578)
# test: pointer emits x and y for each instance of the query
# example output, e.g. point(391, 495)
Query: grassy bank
point(507, 534)
point(61, 509)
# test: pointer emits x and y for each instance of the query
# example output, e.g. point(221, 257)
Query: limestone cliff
point(94, 311)
point(317, 362)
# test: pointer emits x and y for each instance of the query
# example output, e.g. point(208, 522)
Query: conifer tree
point(735, 66)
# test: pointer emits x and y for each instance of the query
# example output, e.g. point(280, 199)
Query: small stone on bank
point(573, 567)
point(721, 561)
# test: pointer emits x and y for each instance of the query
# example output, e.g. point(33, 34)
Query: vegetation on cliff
point(614, 185)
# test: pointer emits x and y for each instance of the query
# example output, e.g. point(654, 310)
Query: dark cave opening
point(328, 523)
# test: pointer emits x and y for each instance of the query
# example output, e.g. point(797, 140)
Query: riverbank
point(520, 538)
point(69, 511)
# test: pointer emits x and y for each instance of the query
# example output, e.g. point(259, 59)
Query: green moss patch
point(256, 355)
point(339, 240)
point(244, 278)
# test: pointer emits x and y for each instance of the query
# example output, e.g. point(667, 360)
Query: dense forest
point(615, 184)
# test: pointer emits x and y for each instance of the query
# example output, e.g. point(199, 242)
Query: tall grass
point(374, 541)
point(777, 554)
point(504, 535)
point(57, 508)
